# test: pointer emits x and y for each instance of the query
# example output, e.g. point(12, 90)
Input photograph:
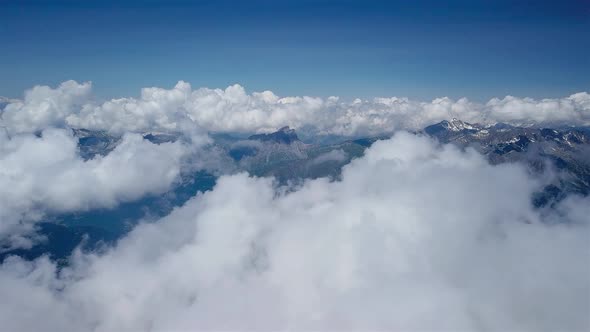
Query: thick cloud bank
point(233, 110)
point(45, 173)
point(416, 236)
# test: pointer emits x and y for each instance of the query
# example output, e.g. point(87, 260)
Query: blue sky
point(421, 49)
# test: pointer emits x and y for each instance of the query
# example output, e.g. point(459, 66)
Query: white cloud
point(46, 174)
point(337, 155)
point(415, 237)
point(574, 109)
point(44, 107)
point(233, 110)
point(156, 109)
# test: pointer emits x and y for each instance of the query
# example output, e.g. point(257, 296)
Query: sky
point(420, 49)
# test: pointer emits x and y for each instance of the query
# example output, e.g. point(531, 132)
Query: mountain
point(283, 155)
point(284, 135)
point(454, 126)
point(263, 154)
point(566, 151)
point(93, 143)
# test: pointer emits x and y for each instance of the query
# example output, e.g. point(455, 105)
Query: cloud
point(156, 109)
point(232, 109)
point(45, 173)
point(416, 236)
point(337, 155)
point(44, 107)
point(574, 109)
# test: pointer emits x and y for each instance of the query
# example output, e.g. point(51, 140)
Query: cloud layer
point(233, 110)
point(416, 236)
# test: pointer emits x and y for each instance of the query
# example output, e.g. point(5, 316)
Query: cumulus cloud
point(234, 110)
point(45, 173)
point(44, 107)
point(574, 109)
point(416, 236)
point(156, 109)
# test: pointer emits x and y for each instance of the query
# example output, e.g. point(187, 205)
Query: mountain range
point(560, 156)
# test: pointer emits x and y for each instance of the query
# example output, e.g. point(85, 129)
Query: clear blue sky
point(421, 49)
